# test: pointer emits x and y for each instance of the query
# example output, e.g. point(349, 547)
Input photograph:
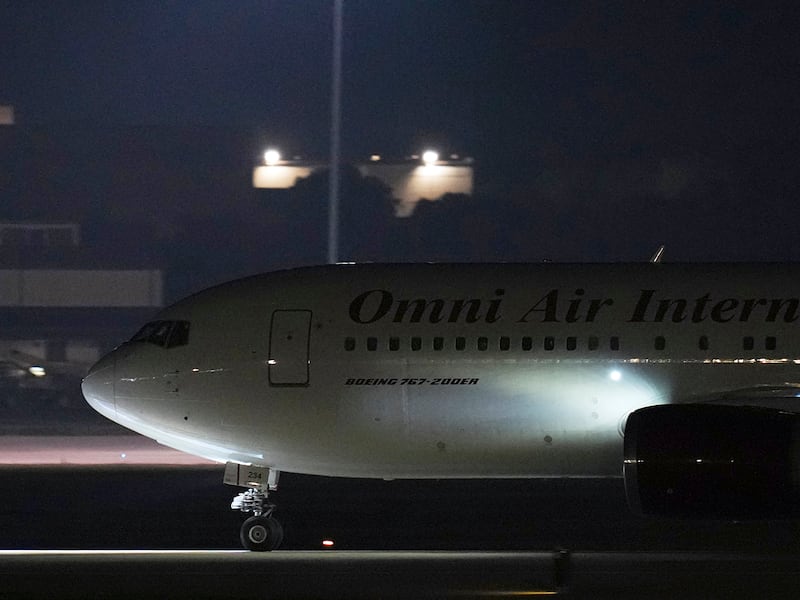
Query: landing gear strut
point(262, 531)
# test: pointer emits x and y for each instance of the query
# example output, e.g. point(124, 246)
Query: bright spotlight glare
point(615, 375)
point(327, 543)
point(37, 371)
point(429, 157)
point(272, 157)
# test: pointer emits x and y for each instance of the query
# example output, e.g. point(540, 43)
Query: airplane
point(684, 379)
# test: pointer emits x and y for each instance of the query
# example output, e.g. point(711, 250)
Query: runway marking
point(113, 552)
point(511, 594)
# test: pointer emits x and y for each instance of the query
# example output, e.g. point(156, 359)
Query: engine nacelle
point(713, 461)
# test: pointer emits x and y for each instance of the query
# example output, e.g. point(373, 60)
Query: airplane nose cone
point(98, 386)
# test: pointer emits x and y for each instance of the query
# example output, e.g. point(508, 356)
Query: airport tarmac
point(393, 539)
point(389, 575)
point(90, 450)
point(182, 507)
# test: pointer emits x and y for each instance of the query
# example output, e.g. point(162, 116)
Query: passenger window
point(748, 343)
point(549, 343)
point(372, 344)
point(527, 343)
point(483, 344)
point(661, 343)
point(394, 344)
point(416, 343)
point(594, 343)
point(505, 343)
point(349, 344)
point(614, 343)
point(461, 343)
point(703, 343)
point(438, 343)
point(771, 343)
point(572, 343)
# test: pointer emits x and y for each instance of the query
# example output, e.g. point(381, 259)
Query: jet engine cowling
point(713, 461)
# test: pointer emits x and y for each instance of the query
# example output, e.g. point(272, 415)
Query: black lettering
point(721, 307)
point(698, 315)
point(493, 314)
point(748, 306)
point(549, 310)
point(640, 310)
point(420, 306)
point(473, 313)
point(357, 306)
point(594, 307)
point(678, 313)
point(790, 314)
point(574, 305)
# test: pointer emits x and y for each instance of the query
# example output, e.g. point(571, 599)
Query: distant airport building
point(283, 175)
point(6, 115)
point(425, 177)
point(58, 315)
point(31, 235)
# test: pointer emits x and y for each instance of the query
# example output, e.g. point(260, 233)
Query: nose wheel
point(261, 534)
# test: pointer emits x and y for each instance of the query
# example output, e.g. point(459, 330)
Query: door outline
point(289, 358)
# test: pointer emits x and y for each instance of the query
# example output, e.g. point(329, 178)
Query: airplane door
point(289, 347)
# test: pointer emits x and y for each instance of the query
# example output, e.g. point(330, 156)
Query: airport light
point(37, 371)
point(327, 543)
point(272, 157)
point(430, 157)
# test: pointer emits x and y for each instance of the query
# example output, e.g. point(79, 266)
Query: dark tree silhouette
point(365, 215)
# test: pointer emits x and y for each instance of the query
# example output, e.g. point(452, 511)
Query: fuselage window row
point(482, 344)
point(176, 333)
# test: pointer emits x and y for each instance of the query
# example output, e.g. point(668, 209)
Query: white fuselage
point(433, 371)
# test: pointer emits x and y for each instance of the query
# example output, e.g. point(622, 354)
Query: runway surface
point(90, 450)
point(355, 575)
point(397, 539)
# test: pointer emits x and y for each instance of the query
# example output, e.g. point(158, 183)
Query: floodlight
point(272, 157)
point(429, 157)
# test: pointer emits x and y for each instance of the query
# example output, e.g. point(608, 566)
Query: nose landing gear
point(262, 531)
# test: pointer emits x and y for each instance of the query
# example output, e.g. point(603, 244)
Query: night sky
point(599, 130)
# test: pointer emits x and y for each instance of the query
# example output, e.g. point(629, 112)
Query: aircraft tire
point(261, 534)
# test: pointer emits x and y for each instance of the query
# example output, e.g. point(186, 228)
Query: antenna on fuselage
point(656, 258)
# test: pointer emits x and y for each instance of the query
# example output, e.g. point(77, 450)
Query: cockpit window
point(143, 335)
point(179, 335)
point(167, 334)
